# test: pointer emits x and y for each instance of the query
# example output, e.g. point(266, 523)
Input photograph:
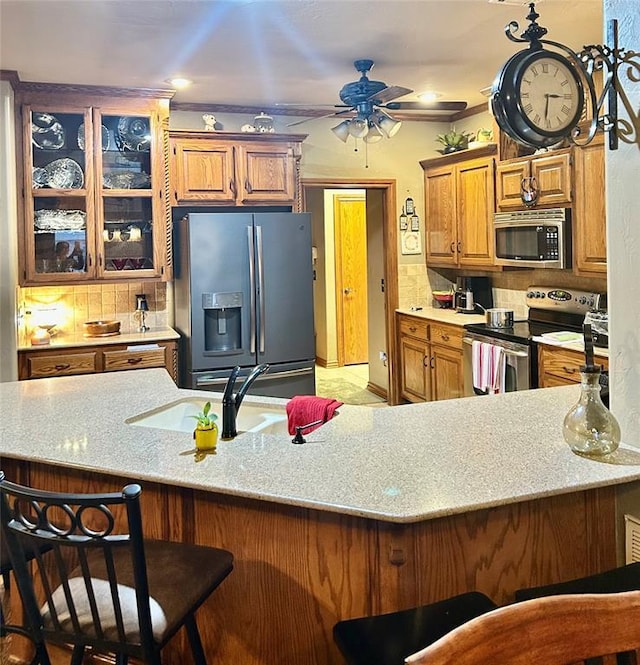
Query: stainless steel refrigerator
point(243, 294)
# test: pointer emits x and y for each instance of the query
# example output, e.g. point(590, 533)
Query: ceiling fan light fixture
point(389, 126)
point(358, 128)
point(342, 130)
point(375, 134)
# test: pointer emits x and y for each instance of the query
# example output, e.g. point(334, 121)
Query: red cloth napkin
point(305, 409)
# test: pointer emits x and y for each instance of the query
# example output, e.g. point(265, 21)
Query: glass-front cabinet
point(95, 204)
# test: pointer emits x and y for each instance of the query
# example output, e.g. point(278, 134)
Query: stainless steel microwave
point(533, 238)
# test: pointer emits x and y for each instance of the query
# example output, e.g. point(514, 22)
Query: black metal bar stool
point(6, 567)
point(617, 580)
point(387, 639)
point(126, 596)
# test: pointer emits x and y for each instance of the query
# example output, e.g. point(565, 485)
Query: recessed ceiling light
point(429, 96)
point(179, 83)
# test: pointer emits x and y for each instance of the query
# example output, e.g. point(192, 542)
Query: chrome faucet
point(231, 403)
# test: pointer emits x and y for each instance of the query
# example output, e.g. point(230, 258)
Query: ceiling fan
point(370, 100)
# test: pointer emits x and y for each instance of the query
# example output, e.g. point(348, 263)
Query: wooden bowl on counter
point(101, 328)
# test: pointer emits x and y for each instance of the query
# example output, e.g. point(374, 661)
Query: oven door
point(518, 364)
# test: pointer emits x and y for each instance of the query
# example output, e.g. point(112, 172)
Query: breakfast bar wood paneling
point(298, 571)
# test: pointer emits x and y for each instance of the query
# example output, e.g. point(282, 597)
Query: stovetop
point(550, 310)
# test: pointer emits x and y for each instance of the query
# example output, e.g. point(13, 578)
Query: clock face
point(537, 98)
point(549, 94)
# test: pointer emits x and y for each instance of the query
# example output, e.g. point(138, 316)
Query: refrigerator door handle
point(252, 289)
point(260, 287)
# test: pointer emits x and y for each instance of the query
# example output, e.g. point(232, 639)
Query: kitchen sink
point(177, 417)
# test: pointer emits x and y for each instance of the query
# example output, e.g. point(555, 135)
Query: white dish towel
point(489, 364)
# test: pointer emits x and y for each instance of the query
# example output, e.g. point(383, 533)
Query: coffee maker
point(472, 291)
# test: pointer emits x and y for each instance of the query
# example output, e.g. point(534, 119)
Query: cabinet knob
point(412, 328)
point(569, 370)
point(444, 338)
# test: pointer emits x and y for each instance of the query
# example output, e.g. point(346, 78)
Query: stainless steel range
point(551, 309)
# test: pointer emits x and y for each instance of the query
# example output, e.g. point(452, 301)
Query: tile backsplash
point(416, 284)
point(71, 306)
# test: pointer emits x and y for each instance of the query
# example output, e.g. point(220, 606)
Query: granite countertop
point(75, 339)
point(400, 464)
point(444, 315)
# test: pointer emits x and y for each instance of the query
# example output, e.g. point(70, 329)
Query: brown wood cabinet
point(44, 363)
point(430, 359)
point(589, 210)
point(558, 366)
point(94, 204)
point(459, 202)
point(230, 169)
point(552, 174)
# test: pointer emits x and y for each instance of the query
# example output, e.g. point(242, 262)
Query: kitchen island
point(381, 508)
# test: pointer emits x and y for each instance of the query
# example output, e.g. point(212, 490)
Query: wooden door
point(203, 171)
point(440, 215)
point(266, 172)
point(447, 376)
point(553, 178)
point(351, 279)
point(509, 177)
point(589, 220)
point(415, 375)
point(475, 208)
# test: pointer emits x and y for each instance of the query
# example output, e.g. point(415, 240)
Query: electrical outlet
point(383, 356)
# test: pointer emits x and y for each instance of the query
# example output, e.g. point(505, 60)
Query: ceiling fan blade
point(426, 106)
point(389, 93)
point(326, 115)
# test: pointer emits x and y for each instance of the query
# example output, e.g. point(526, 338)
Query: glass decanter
point(590, 428)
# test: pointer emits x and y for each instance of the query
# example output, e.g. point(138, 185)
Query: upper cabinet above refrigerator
point(95, 203)
point(235, 169)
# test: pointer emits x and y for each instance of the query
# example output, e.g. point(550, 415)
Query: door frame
point(390, 250)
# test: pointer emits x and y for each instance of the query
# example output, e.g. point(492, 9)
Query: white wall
point(623, 243)
point(8, 238)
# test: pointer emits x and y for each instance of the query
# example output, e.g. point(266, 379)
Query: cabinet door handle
point(425, 361)
point(412, 328)
point(444, 338)
point(247, 186)
point(61, 366)
point(89, 259)
point(134, 361)
point(232, 187)
point(453, 247)
point(432, 364)
point(569, 370)
point(459, 247)
point(100, 260)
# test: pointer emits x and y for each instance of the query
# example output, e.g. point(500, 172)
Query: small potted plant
point(453, 141)
point(206, 431)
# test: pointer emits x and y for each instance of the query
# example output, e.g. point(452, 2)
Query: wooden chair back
point(555, 630)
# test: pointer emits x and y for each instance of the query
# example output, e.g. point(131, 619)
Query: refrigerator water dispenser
point(222, 322)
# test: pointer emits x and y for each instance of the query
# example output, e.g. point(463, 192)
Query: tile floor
point(347, 384)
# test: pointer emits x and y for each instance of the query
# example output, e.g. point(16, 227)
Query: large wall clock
point(537, 97)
